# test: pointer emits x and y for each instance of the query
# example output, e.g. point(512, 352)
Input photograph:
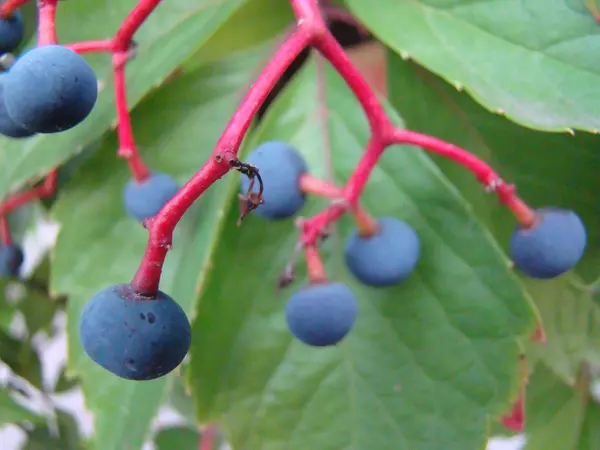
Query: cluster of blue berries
point(49, 89)
point(322, 314)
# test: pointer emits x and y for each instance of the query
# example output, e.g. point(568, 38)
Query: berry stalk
point(5, 237)
point(105, 45)
point(127, 146)
point(46, 189)
point(8, 6)
point(132, 23)
point(147, 277)
point(47, 22)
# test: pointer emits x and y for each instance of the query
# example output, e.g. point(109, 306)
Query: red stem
point(207, 440)
point(147, 278)
point(127, 146)
point(46, 189)
point(9, 6)
point(314, 264)
point(47, 22)
point(132, 23)
point(5, 237)
point(310, 184)
point(91, 46)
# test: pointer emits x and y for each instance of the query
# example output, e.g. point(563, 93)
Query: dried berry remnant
point(8, 127)
point(11, 32)
point(145, 198)
point(386, 258)
point(321, 315)
point(11, 259)
point(280, 166)
point(50, 89)
point(552, 246)
point(134, 337)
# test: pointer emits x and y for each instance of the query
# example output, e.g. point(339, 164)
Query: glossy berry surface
point(554, 244)
point(385, 259)
point(280, 167)
point(11, 259)
point(321, 315)
point(50, 89)
point(7, 126)
point(145, 199)
point(134, 337)
point(11, 32)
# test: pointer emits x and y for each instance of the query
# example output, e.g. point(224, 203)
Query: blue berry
point(11, 32)
point(552, 246)
point(7, 126)
point(11, 259)
point(134, 337)
point(321, 314)
point(280, 167)
point(385, 259)
point(146, 198)
point(50, 89)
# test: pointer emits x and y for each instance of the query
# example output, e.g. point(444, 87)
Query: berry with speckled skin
point(386, 258)
point(321, 315)
point(552, 246)
point(146, 198)
point(280, 167)
point(11, 32)
point(132, 336)
point(7, 126)
point(11, 259)
point(50, 89)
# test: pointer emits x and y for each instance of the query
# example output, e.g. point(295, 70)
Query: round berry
point(11, 32)
point(50, 89)
point(386, 258)
point(11, 259)
point(552, 246)
point(321, 314)
point(145, 199)
point(132, 336)
point(280, 167)
point(7, 126)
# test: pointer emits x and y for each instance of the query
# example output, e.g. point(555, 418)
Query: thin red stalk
point(132, 23)
point(207, 440)
point(127, 146)
point(310, 184)
point(7, 7)
point(147, 278)
point(5, 237)
point(46, 189)
point(47, 22)
point(314, 264)
point(91, 46)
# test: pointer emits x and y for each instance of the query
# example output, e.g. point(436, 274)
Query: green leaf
point(547, 168)
point(429, 362)
point(180, 397)
point(571, 321)
point(108, 245)
point(22, 358)
point(179, 438)
point(172, 34)
point(64, 382)
point(38, 310)
point(535, 61)
point(560, 417)
point(12, 412)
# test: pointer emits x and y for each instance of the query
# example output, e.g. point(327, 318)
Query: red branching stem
point(47, 22)
point(207, 439)
point(335, 54)
point(45, 189)
point(314, 265)
point(5, 237)
point(314, 228)
point(9, 6)
point(91, 46)
point(366, 225)
point(132, 23)
point(147, 278)
point(127, 146)
point(310, 184)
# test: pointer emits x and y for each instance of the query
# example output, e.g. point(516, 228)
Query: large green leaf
point(177, 438)
point(21, 358)
point(547, 169)
point(535, 60)
point(102, 246)
point(173, 33)
point(560, 417)
point(429, 362)
point(13, 412)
